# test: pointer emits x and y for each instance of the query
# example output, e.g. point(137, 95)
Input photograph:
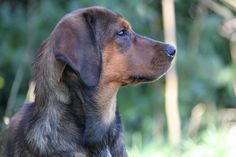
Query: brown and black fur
point(90, 54)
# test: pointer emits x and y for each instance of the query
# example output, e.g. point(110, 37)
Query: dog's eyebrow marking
point(125, 24)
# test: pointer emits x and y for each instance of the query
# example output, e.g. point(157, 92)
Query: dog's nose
point(170, 50)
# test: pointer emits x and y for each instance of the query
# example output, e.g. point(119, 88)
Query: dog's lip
point(139, 78)
point(135, 79)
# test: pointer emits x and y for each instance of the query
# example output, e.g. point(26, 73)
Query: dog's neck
point(106, 99)
point(101, 99)
point(97, 106)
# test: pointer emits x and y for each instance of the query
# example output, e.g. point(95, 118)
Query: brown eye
point(122, 33)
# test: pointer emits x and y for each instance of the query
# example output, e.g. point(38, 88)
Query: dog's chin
point(142, 79)
point(153, 76)
point(137, 79)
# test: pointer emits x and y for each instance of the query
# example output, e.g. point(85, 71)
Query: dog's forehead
point(106, 13)
point(124, 23)
point(103, 11)
point(96, 11)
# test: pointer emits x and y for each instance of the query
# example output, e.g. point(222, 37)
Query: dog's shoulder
point(14, 129)
point(19, 116)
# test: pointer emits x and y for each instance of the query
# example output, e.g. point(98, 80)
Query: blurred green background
point(205, 69)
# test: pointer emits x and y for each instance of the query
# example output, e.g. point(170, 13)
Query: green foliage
point(205, 145)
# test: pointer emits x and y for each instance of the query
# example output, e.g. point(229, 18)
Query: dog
point(90, 54)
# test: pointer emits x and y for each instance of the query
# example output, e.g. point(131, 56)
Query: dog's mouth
point(146, 78)
point(136, 79)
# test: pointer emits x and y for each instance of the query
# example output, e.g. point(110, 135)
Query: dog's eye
point(122, 32)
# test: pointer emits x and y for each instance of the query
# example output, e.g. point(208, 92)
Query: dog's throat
point(106, 100)
point(94, 108)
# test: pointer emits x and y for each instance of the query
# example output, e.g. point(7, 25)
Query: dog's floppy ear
point(74, 43)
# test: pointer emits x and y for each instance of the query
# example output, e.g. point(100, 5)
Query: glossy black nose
point(170, 50)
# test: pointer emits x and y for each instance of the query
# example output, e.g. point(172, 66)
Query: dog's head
point(100, 46)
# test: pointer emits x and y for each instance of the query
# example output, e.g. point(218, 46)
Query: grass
point(210, 143)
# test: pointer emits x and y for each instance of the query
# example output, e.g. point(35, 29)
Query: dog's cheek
point(115, 68)
point(123, 44)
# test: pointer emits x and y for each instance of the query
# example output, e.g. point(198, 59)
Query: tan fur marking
point(114, 68)
point(125, 24)
point(114, 64)
point(106, 98)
